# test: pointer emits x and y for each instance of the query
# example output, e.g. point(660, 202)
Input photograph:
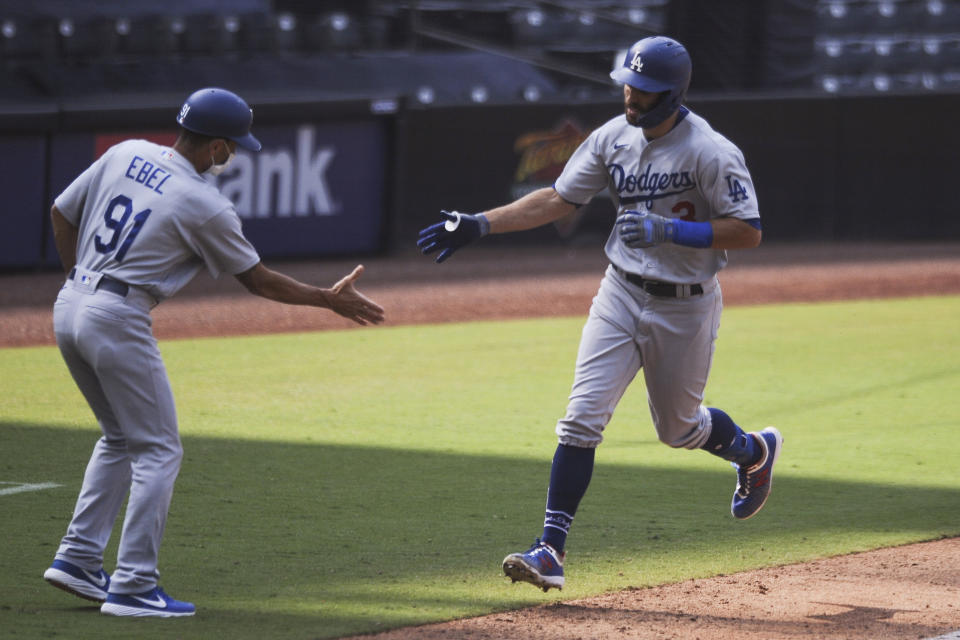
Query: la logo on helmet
point(637, 63)
point(184, 111)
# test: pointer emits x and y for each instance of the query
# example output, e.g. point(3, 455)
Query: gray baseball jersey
point(147, 222)
point(692, 172)
point(147, 218)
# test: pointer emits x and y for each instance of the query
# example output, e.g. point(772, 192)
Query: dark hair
point(193, 140)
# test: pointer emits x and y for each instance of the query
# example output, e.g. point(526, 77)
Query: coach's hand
point(344, 299)
point(456, 230)
point(640, 229)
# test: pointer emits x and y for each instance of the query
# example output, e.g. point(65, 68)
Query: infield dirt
point(904, 592)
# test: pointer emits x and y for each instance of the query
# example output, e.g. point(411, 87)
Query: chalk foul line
point(21, 487)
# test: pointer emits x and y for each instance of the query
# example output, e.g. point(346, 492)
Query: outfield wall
point(362, 176)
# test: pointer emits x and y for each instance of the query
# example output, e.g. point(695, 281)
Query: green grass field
point(347, 482)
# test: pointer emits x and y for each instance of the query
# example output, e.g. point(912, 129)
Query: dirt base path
point(903, 592)
point(906, 592)
point(501, 284)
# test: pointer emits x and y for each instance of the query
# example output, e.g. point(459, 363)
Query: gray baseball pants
point(109, 348)
point(671, 339)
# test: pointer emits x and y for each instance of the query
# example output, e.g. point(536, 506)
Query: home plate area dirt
point(904, 592)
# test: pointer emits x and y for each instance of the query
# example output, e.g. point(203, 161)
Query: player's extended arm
point(535, 209)
point(639, 229)
point(65, 237)
point(341, 298)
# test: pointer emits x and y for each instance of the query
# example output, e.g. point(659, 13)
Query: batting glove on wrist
point(639, 229)
point(457, 230)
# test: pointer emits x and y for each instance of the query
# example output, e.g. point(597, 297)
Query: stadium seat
point(841, 17)
point(600, 31)
point(925, 81)
point(337, 31)
point(285, 31)
point(891, 17)
point(950, 53)
point(949, 80)
point(651, 16)
point(834, 84)
point(931, 53)
point(939, 16)
point(535, 27)
point(24, 39)
point(875, 82)
point(896, 55)
point(86, 38)
point(210, 33)
point(149, 35)
point(256, 33)
point(828, 55)
point(841, 56)
point(378, 30)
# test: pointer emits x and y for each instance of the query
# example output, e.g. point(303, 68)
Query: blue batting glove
point(457, 230)
point(640, 229)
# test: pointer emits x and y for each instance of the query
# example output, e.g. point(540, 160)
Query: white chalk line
point(21, 487)
point(953, 635)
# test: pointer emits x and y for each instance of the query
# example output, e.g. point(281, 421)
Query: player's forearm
point(535, 209)
point(65, 238)
point(278, 287)
point(733, 233)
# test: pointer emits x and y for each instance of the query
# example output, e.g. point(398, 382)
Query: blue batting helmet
point(659, 65)
point(219, 113)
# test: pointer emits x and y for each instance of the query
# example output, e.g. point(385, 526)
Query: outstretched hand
point(455, 231)
point(345, 300)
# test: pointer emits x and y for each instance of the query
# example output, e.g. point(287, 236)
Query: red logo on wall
point(543, 154)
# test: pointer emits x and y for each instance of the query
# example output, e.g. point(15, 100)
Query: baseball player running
point(131, 230)
point(684, 196)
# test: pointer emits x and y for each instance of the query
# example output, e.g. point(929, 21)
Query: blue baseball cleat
point(89, 585)
point(153, 603)
point(539, 565)
point(754, 483)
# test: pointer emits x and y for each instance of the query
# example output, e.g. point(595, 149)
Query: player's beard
point(634, 110)
point(634, 113)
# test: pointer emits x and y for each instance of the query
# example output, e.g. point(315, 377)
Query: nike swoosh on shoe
point(159, 603)
point(97, 579)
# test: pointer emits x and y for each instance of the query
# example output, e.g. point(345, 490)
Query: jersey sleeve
point(728, 187)
point(585, 174)
point(71, 201)
point(221, 245)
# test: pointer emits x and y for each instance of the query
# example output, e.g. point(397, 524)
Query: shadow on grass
point(315, 541)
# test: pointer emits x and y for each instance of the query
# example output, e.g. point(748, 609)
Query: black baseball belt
point(661, 289)
point(107, 284)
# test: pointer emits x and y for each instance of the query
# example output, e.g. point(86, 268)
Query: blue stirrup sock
point(569, 479)
point(728, 441)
